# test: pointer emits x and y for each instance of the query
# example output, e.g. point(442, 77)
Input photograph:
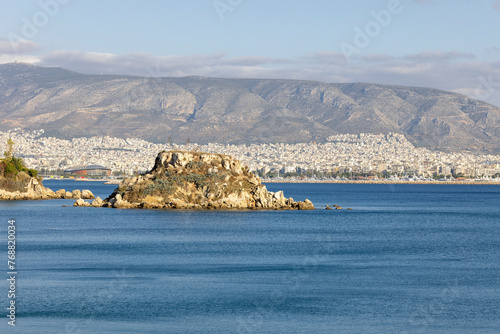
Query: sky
point(447, 44)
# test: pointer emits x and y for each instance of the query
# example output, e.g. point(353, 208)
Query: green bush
point(159, 187)
point(32, 172)
point(10, 170)
point(18, 163)
point(195, 164)
point(12, 165)
point(198, 179)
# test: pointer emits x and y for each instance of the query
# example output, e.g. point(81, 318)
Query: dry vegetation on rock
point(197, 180)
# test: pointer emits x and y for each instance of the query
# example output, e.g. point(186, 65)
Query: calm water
point(407, 259)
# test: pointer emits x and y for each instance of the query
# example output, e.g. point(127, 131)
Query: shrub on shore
point(11, 167)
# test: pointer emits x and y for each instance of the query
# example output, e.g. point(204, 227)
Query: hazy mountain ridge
point(68, 104)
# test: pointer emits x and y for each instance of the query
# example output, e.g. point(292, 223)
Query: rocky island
point(198, 180)
point(17, 182)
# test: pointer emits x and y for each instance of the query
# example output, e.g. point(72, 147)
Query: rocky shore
point(197, 180)
point(36, 191)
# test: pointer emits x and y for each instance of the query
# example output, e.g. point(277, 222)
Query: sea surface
point(406, 259)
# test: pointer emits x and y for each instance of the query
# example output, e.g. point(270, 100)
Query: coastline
point(468, 182)
point(105, 181)
point(473, 182)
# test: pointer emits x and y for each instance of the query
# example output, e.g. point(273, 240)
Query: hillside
point(68, 104)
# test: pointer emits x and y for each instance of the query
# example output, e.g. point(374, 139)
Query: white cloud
point(6, 58)
point(16, 47)
point(143, 64)
point(453, 71)
point(440, 56)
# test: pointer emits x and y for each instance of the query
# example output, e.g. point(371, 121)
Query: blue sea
point(406, 259)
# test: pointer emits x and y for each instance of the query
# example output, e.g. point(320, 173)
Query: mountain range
point(67, 104)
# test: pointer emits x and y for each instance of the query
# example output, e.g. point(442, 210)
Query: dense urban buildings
point(348, 155)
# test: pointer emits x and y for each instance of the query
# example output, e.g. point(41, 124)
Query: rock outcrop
point(98, 202)
point(81, 202)
point(87, 194)
point(35, 190)
point(196, 180)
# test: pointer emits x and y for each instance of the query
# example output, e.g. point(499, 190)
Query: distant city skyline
point(450, 45)
point(344, 153)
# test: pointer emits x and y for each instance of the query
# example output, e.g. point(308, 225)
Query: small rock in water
point(76, 194)
point(81, 202)
point(61, 193)
point(98, 202)
point(87, 194)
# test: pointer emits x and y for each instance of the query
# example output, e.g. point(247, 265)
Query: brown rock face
point(87, 194)
point(76, 194)
point(306, 205)
point(197, 180)
point(98, 202)
point(36, 191)
point(61, 193)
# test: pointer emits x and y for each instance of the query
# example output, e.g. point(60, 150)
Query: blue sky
point(447, 44)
